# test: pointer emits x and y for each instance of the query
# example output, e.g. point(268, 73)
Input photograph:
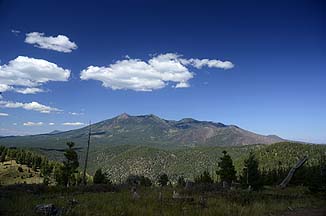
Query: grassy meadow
point(271, 201)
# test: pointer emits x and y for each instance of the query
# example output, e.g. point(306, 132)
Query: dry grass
point(270, 202)
point(9, 174)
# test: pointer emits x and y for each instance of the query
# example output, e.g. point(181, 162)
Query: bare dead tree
point(86, 158)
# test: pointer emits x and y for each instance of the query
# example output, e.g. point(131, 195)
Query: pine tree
point(3, 156)
point(59, 175)
point(226, 170)
point(99, 177)
point(64, 175)
point(205, 178)
point(251, 175)
point(2, 148)
point(163, 180)
point(145, 181)
point(46, 170)
point(181, 181)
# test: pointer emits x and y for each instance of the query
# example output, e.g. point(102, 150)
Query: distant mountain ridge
point(55, 132)
point(148, 130)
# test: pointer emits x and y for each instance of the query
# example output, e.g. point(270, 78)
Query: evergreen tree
point(2, 148)
point(145, 181)
point(65, 174)
point(163, 180)
point(59, 174)
point(3, 156)
point(100, 177)
point(205, 178)
point(46, 170)
point(226, 170)
point(181, 181)
point(28, 159)
point(250, 174)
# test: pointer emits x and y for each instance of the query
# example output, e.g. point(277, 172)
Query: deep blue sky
point(278, 84)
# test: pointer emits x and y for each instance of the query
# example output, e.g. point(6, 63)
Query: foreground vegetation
point(226, 190)
point(119, 201)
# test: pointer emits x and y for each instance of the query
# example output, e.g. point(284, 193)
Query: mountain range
point(148, 130)
point(149, 145)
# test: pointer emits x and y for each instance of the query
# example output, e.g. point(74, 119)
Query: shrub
point(138, 180)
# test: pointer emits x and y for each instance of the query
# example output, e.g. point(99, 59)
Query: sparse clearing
point(9, 174)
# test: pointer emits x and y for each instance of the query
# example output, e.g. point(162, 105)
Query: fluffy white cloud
point(60, 43)
point(29, 106)
point(182, 85)
point(51, 123)
point(29, 73)
point(73, 123)
point(33, 123)
point(29, 90)
point(3, 114)
point(199, 63)
point(76, 113)
point(4, 87)
point(156, 73)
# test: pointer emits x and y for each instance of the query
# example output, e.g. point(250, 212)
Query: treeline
point(31, 159)
point(251, 175)
point(285, 154)
point(313, 176)
point(53, 172)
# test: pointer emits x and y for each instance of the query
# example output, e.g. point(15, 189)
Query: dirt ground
point(306, 212)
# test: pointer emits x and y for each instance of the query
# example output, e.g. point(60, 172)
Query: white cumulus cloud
point(33, 123)
point(73, 123)
point(29, 90)
point(4, 87)
point(51, 123)
point(76, 113)
point(156, 73)
point(182, 85)
point(199, 63)
point(4, 114)
point(60, 43)
point(35, 106)
point(25, 74)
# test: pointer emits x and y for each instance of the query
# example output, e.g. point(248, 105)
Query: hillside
point(190, 162)
point(148, 130)
point(121, 161)
point(9, 174)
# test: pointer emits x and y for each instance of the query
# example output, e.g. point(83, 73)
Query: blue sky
point(256, 64)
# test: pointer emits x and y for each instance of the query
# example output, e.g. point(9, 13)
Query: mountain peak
point(123, 116)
